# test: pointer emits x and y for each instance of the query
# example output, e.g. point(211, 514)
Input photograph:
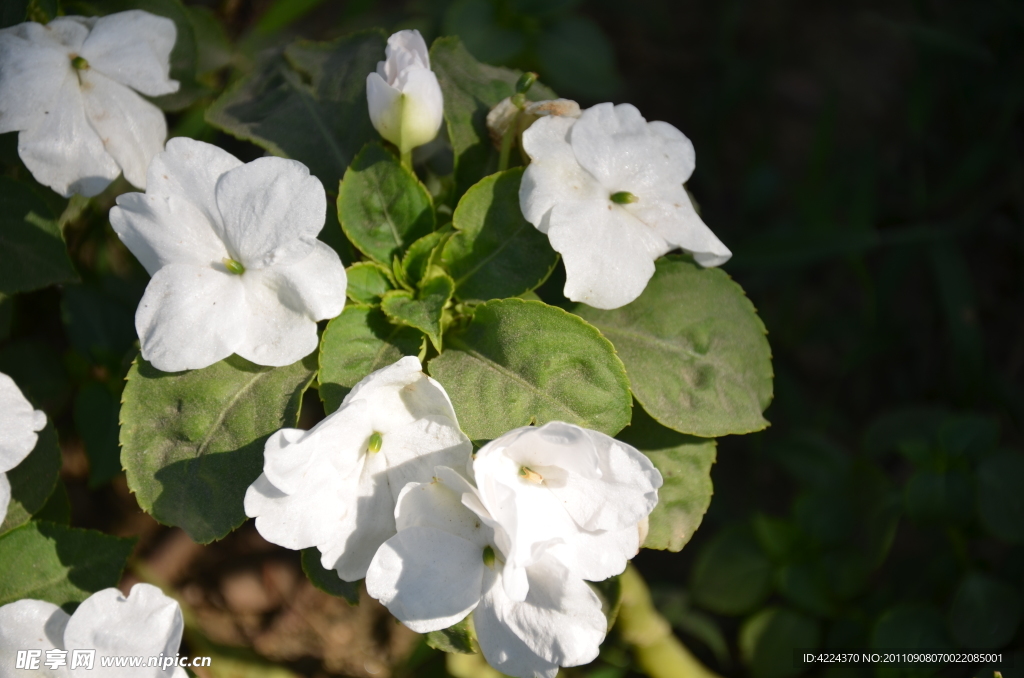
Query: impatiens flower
point(404, 97)
point(335, 486)
point(607, 189)
point(236, 264)
point(18, 426)
point(71, 88)
point(446, 561)
point(145, 624)
point(567, 491)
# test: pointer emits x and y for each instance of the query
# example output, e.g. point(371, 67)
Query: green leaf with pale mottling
point(422, 310)
point(423, 253)
point(192, 442)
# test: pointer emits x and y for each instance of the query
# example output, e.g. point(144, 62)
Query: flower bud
point(404, 98)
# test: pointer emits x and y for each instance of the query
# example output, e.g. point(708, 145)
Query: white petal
point(314, 286)
point(32, 71)
point(609, 255)
point(287, 464)
point(133, 48)
point(132, 130)
point(677, 145)
point(407, 48)
point(384, 103)
point(145, 623)
point(428, 578)
point(189, 170)
point(401, 393)
point(166, 229)
point(5, 495)
point(63, 151)
point(670, 213)
point(31, 625)
point(69, 32)
point(595, 556)
point(272, 210)
point(190, 317)
point(422, 108)
point(19, 422)
point(611, 142)
point(438, 504)
point(504, 650)
point(301, 520)
point(276, 333)
point(554, 175)
point(414, 450)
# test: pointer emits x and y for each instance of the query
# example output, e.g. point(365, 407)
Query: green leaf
point(422, 310)
point(32, 252)
point(685, 466)
point(520, 362)
point(423, 253)
point(931, 496)
point(383, 207)
point(460, 638)
point(470, 90)
point(58, 564)
point(768, 639)
point(57, 508)
point(12, 12)
point(96, 418)
point(328, 581)
point(577, 58)
point(909, 627)
point(985, 612)
point(695, 350)
point(731, 575)
point(998, 486)
point(368, 281)
point(192, 442)
point(307, 103)
point(495, 252)
point(32, 481)
point(356, 343)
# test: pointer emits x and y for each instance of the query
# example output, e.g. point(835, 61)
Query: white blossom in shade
point(19, 424)
point(146, 623)
point(236, 264)
point(335, 486)
point(446, 560)
point(607, 189)
point(576, 494)
point(72, 90)
point(403, 95)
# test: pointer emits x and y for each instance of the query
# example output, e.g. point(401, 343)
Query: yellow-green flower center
point(623, 198)
point(80, 63)
point(488, 556)
point(233, 266)
point(376, 440)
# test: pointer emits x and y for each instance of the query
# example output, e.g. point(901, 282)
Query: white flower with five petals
point(236, 264)
point(335, 486)
point(607, 189)
point(446, 561)
point(19, 424)
point(146, 623)
point(72, 89)
point(403, 95)
point(570, 492)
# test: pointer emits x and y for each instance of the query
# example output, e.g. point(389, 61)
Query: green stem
point(407, 160)
point(657, 651)
point(506, 144)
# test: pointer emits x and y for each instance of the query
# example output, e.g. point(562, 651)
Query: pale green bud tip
point(525, 82)
point(80, 63)
point(488, 556)
point(375, 442)
point(233, 266)
point(518, 100)
point(624, 198)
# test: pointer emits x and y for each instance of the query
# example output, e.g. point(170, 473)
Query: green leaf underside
point(328, 581)
point(459, 638)
point(470, 90)
point(520, 361)
point(418, 256)
point(359, 341)
point(422, 310)
point(695, 350)
point(192, 442)
point(495, 252)
point(368, 281)
point(685, 465)
point(382, 206)
point(61, 565)
point(307, 103)
point(32, 481)
point(32, 252)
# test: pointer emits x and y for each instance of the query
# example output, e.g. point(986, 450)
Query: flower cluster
point(19, 424)
point(146, 623)
point(386, 487)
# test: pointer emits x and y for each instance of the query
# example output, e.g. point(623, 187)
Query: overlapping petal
point(19, 423)
point(142, 63)
point(31, 625)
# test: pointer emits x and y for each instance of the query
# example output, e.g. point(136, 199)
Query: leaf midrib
point(496, 252)
point(201, 450)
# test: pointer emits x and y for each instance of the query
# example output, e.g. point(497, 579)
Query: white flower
point(607, 189)
point(335, 486)
point(574, 493)
point(71, 89)
point(446, 561)
point(18, 426)
point(234, 257)
point(146, 623)
point(404, 98)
